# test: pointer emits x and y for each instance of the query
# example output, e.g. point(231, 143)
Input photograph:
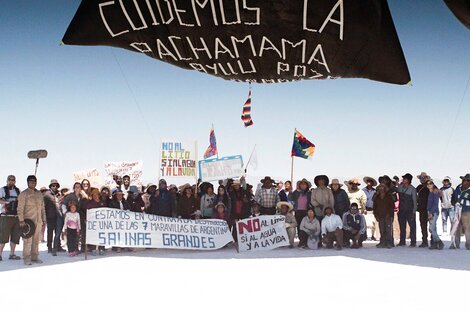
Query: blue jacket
point(464, 200)
point(161, 203)
point(433, 203)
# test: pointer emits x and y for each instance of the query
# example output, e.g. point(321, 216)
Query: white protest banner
point(265, 232)
point(178, 159)
point(133, 169)
point(93, 175)
point(119, 228)
point(226, 167)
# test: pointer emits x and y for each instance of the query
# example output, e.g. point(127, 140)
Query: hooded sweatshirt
point(446, 196)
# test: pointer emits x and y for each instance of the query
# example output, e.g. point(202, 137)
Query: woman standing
point(433, 215)
point(223, 196)
point(187, 204)
point(208, 202)
point(95, 203)
point(301, 199)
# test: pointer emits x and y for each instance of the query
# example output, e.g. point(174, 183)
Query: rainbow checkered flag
point(246, 115)
point(301, 147)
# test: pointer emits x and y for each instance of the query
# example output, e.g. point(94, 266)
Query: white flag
point(254, 160)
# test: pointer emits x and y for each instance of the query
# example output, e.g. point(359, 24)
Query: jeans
point(407, 217)
point(447, 213)
point(58, 232)
point(433, 228)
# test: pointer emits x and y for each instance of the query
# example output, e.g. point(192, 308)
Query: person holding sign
point(332, 229)
point(309, 231)
point(187, 203)
point(161, 203)
point(285, 208)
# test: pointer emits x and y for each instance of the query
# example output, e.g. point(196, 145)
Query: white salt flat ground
point(283, 280)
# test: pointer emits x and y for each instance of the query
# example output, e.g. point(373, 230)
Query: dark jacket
point(51, 204)
point(384, 207)
point(115, 204)
point(186, 206)
point(244, 197)
point(423, 194)
point(342, 203)
point(161, 203)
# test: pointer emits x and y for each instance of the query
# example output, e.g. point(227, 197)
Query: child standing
point(72, 228)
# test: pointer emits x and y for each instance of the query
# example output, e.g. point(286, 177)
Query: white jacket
point(330, 223)
point(446, 197)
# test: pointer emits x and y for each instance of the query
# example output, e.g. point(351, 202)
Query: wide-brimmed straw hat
point(424, 176)
point(304, 180)
point(288, 204)
point(335, 181)
point(352, 181)
point(368, 178)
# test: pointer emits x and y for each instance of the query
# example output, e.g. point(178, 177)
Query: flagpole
point(292, 171)
point(251, 155)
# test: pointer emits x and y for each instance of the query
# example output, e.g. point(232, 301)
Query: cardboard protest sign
point(113, 227)
point(265, 232)
point(253, 41)
point(178, 158)
point(226, 167)
point(93, 175)
point(133, 169)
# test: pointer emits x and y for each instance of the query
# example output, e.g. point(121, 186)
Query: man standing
point(322, 196)
point(267, 197)
point(407, 211)
point(31, 206)
point(9, 224)
point(464, 201)
point(355, 194)
point(423, 194)
point(384, 207)
point(127, 189)
point(447, 208)
point(369, 190)
point(54, 216)
point(341, 198)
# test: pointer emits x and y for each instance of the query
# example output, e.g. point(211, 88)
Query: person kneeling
point(354, 225)
point(285, 209)
point(332, 229)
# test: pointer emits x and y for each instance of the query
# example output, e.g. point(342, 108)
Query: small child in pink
point(72, 228)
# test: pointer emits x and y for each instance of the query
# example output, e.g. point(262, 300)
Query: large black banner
point(263, 41)
point(461, 10)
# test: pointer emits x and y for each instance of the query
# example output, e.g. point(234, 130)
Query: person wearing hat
point(31, 206)
point(355, 194)
point(433, 215)
point(369, 190)
point(322, 196)
point(187, 204)
point(447, 208)
point(220, 213)
point(383, 210)
point(161, 203)
point(9, 224)
point(332, 229)
point(55, 217)
point(342, 203)
point(407, 212)
point(267, 197)
point(149, 191)
point(118, 201)
point(285, 208)
point(354, 227)
point(462, 210)
point(422, 199)
point(309, 231)
point(301, 199)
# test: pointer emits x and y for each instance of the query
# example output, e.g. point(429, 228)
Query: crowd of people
point(326, 215)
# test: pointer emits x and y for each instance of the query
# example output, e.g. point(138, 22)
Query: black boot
point(424, 244)
point(440, 245)
point(433, 246)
